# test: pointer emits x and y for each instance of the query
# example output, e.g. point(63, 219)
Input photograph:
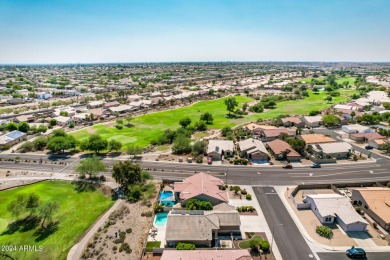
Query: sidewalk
point(76, 251)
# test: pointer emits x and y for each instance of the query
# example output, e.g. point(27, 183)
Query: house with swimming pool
point(202, 187)
point(202, 227)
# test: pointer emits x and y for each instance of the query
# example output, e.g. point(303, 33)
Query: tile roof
point(292, 119)
point(201, 183)
point(277, 132)
point(251, 145)
point(279, 147)
point(368, 136)
point(313, 119)
point(316, 138)
point(378, 199)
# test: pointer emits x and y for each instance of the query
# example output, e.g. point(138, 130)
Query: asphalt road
point(291, 244)
point(342, 256)
point(241, 175)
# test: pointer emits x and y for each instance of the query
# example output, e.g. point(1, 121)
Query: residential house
point(364, 137)
point(70, 111)
point(356, 128)
point(63, 120)
point(97, 113)
point(375, 201)
point(376, 143)
point(316, 139)
point(338, 150)
point(234, 254)
point(272, 134)
point(132, 98)
point(96, 104)
point(292, 121)
point(253, 149)
point(122, 109)
point(112, 104)
point(81, 117)
point(219, 148)
point(201, 227)
point(201, 186)
point(312, 121)
point(282, 150)
point(12, 138)
point(330, 208)
point(24, 118)
point(257, 129)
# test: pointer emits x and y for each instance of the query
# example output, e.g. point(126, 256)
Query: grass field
point(147, 127)
point(302, 106)
point(151, 244)
point(351, 80)
point(150, 126)
point(77, 212)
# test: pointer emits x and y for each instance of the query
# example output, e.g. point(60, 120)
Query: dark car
point(210, 160)
point(368, 147)
point(315, 165)
point(356, 252)
point(288, 166)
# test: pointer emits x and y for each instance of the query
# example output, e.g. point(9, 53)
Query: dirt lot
point(125, 227)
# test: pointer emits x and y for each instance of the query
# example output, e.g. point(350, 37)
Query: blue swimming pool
point(161, 219)
point(166, 194)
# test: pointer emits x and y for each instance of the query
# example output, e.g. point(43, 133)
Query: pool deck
point(160, 235)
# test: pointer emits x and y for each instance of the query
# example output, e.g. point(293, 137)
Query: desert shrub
point(244, 192)
point(129, 230)
point(248, 196)
point(125, 247)
point(158, 208)
point(147, 214)
point(324, 231)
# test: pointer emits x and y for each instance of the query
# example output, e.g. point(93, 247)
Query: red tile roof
point(201, 183)
point(279, 147)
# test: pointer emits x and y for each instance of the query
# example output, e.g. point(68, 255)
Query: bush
point(324, 231)
point(194, 204)
point(264, 245)
point(158, 208)
point(129, 230)
point(388, 184)
point(199, 159)
point(248, 196)
point(27, 147)
point(185, 246)
point(253, 244)
point(244, 192)
point(125, 247)
point(147, 214)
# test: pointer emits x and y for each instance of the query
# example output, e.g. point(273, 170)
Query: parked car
point(288, 166)
point(315, 165)
point(368, 147)
point(356, 252)
point(210, 160)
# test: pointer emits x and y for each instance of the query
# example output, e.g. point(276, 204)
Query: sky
point(99, 31)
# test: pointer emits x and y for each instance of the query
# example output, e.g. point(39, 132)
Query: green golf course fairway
point(148, 127)
point(77, 212)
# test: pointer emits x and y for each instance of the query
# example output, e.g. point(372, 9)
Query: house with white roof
point(312, 121)
point(356, 128)
point(338, 150)
point(219, 148)
point(330, 208)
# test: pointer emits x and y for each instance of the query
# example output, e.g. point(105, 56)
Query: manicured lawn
point(151, 244)
point(148, 127)
point(245, 244)
point(77, 212)
point(302, 106)
point(351, 80)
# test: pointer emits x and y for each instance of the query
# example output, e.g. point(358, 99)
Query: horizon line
point(184, 62)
